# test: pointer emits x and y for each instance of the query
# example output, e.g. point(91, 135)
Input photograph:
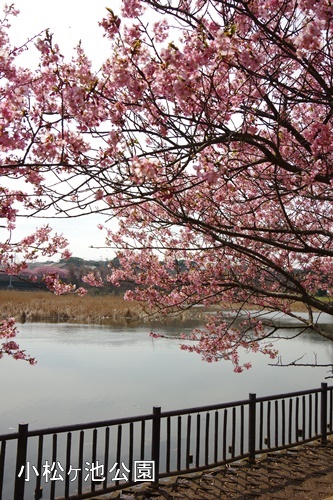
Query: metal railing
point(76, 461)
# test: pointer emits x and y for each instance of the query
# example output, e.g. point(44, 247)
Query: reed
point(45, 306)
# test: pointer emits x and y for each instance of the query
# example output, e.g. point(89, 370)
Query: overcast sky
point(70, 21)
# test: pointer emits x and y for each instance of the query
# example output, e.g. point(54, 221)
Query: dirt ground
point(304, 473)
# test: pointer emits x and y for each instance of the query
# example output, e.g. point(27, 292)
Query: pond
point(88, 372)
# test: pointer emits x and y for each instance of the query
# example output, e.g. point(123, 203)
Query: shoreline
point(43, 306)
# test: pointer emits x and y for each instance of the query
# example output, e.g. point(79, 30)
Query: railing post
point(2, 465)
point(155, 445)
point(323, 413)
point(21, 458)
point(252, 428)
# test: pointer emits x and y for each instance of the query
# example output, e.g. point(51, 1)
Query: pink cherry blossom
point(207, 136)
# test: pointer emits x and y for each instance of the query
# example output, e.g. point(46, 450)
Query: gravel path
point(304, 473)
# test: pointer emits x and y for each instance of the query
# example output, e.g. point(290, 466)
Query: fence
point(76, 461)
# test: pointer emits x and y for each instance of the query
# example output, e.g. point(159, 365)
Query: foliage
point(208, 135)
point(9, 346)
point(41, 271)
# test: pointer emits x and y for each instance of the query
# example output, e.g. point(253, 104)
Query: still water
point(87, 373)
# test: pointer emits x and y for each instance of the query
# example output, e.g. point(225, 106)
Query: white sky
point(70, 21)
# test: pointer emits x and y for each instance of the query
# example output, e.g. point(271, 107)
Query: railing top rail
point(200, 409)
point(79, 427)
point(291, 394)
point(7, 437)
point(172, 413)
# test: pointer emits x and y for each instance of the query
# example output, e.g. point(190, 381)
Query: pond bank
point(43, 306)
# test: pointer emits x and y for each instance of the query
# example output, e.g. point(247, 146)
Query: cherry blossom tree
point(19, 116)
point(207, 134)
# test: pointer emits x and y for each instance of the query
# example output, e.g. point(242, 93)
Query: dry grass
point(44, 306)
point(106, 309)
point(296, 307)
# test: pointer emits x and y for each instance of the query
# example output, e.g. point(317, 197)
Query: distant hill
point(70, 271)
